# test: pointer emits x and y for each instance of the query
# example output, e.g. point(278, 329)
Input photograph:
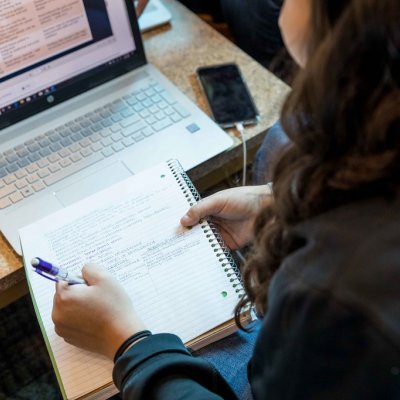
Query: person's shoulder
point(352, 254)
point(361, 232)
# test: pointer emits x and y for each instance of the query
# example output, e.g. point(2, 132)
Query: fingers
point(61, 286)
point(94, 274)
point(61, 297)
point(64, 294)
point(210, 206)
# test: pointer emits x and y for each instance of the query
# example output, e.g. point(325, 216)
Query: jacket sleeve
point(314, 347)
point(160, 367)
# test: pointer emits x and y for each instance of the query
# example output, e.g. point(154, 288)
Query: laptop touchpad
point(93, 183)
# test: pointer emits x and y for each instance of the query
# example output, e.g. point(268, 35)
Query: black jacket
point(332, 330)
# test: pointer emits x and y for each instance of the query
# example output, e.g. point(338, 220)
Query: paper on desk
point(172, 274)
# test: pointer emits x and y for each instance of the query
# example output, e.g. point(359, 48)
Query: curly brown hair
point(343, 120)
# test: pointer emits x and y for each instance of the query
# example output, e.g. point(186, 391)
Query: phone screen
point(227, 95)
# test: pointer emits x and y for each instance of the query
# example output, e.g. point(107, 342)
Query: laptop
point(82, 109)
point(155, 14)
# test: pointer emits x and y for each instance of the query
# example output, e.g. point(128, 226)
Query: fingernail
point(186, 219)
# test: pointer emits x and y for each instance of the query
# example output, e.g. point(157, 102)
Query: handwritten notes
point(171, 273)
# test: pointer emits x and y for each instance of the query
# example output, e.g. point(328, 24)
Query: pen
point(54, 273)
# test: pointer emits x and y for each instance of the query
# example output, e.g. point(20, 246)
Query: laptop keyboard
point(41, 162)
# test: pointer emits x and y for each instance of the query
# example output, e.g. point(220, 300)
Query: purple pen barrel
point(54, 273)
point(49, 268)
point(45, 266)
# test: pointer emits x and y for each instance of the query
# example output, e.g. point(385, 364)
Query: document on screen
point(34, 30)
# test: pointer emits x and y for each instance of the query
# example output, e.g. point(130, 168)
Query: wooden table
point(177, 49)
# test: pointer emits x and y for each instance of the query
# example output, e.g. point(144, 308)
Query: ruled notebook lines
point(173, 275)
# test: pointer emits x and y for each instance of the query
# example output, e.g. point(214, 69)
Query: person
point(211, 7)
point(254, 27)
point(252, 24)
point(325, 265)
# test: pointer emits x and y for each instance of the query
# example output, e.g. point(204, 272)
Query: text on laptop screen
point(47, 44)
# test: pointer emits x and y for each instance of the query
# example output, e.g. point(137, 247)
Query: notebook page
point(172, 274)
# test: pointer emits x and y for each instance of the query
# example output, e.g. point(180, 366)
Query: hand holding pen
point(98, 316)
point(54, 273)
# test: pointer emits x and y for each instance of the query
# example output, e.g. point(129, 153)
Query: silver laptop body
point(82, 109)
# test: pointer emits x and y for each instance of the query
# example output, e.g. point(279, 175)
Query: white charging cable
point(239, 127)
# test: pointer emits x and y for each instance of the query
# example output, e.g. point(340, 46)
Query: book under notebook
point(181, 280)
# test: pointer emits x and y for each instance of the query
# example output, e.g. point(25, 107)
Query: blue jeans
point(230, 357)
point(267, 154)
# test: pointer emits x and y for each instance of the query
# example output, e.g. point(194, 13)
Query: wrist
point(131, 341)
point(132, 344)
point(119, 331)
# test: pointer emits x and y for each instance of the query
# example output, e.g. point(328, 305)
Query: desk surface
point(177, 50)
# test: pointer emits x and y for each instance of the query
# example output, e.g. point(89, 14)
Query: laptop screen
point(51, 50)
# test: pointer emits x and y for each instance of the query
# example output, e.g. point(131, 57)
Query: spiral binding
point(221, 251)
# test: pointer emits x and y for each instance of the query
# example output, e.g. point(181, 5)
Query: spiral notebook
point(182, 281)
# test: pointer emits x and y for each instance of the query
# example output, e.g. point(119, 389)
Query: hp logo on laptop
point(50, 99)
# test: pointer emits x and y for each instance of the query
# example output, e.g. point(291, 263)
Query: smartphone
point(227, 95)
